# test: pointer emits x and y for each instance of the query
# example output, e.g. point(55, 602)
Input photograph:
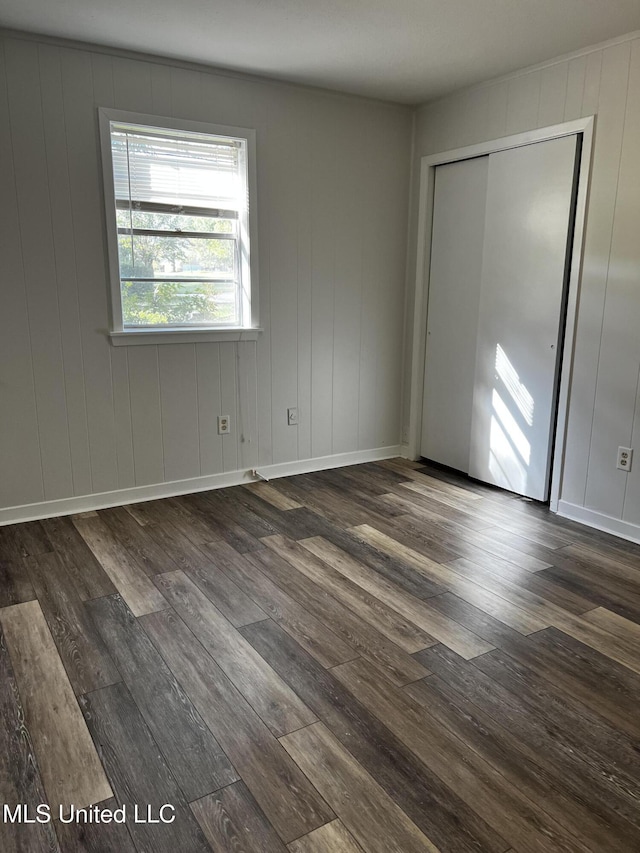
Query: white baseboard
point(86, 503)
point(623, 529)
point(320, 463)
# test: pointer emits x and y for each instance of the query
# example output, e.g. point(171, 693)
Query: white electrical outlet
point(224, 424)
point(625, 456)
point(292, 417)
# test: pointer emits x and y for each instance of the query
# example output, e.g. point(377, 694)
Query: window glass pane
point(125, 251)
point(145, 256)
point(176, 303)
point(174, 221)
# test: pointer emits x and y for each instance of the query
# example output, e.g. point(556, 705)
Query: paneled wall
point(80, 417)
point(604, 407)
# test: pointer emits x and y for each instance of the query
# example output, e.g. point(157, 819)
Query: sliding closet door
point(454, 298)
point(527, 220)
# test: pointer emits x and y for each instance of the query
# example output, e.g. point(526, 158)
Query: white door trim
point(585, 128)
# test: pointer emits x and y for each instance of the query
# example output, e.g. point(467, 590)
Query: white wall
point(604, 403)
point(80, 417)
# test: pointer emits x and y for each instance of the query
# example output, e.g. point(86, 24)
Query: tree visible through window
point(181, 202)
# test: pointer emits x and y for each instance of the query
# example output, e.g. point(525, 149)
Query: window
point(178, 215)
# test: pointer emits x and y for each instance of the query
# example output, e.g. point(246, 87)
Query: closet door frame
point(584, 128)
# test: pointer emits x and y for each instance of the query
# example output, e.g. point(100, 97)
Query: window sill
point(136, 337)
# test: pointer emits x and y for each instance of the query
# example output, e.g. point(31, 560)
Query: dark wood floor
point(380, 658)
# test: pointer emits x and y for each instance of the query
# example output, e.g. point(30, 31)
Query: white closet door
point(452, 322)
point(526, 228)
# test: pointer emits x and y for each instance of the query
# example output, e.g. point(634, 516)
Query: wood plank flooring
point(384, 658)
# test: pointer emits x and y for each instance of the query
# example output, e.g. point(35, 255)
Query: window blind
point(161, 169)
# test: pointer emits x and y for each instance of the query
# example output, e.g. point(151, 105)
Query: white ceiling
point(400, 50)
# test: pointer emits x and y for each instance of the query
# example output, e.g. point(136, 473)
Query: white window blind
point(192, 170)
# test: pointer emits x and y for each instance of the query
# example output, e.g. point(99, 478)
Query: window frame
point(121, 335)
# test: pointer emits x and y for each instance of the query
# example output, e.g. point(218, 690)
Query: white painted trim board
point(87, 503)
point(592, 518)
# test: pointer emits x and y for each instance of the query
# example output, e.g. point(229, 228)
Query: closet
point(500, 248)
